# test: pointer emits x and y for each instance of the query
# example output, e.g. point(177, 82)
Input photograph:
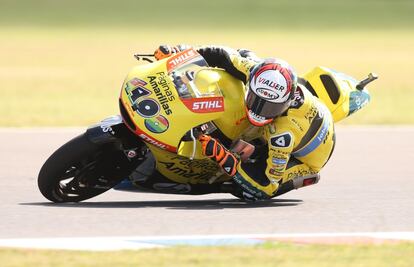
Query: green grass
point(62, 62)
point(281, 255)
point(234, 14)
point(71, 78)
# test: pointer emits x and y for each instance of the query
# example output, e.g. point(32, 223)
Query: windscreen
point(192, 76)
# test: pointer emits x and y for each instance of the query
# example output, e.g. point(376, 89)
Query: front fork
point(113, 131)
point(109, 130)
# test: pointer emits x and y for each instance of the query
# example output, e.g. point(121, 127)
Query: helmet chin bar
point(256, 121)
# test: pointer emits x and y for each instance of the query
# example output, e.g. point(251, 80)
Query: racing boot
point(298, 182)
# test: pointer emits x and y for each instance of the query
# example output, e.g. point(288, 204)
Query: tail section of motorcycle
point(342, 94)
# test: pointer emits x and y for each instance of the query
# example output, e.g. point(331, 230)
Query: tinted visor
point(263, 107)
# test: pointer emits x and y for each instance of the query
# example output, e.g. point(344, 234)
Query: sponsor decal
point(256, 117)
point(279, 168)
point(152, 141)
point(279, 151)
point(269, 84)
point(149, 139)
point(106, 124)
point(298, 99)
point(322, 133)
point(278, 161)
point(147, 108)
point(208, 128)
point(181, 58)
point(135, 89)
point(299, 173)
point(138, 92)
point(311, 114)
point(191, 168)
point(281, 140)
point(205, 104)
point(246, 186)
point(357, 100)
point(137, 82)
point(157, 124)
point(298, 125)
point(107, 129)
point(257, 120)
point(266, 93)
point(162, 91)
point(275, 172)
point(205, 164)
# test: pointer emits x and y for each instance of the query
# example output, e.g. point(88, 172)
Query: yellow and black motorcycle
point(152, 146)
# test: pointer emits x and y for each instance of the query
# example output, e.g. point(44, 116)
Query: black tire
point(80, 170)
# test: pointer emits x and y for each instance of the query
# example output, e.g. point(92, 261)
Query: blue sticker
point(278, 161)
point(357, 100)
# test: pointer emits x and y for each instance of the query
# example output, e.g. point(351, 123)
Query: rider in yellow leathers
point(297, 128)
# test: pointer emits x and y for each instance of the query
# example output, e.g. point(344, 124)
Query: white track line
point(134, 242)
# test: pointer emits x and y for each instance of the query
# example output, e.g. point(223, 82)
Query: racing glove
point(214, 150)
point(164, 51)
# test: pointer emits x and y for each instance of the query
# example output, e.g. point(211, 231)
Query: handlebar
point(371, 77)
point(145, 57)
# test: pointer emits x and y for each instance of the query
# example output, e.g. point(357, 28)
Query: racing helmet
point(270, 91)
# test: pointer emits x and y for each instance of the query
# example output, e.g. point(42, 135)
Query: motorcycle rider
point(296, 126)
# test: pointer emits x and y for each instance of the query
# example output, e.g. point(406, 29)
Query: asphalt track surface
point(366, 187)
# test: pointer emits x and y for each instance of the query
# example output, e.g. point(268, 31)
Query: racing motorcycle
point(152, 145)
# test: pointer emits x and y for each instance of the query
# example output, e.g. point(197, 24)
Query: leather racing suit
point(296, 144)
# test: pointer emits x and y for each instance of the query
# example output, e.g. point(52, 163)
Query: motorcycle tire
point(80, 170)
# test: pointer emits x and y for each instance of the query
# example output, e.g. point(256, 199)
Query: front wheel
point(80, 170)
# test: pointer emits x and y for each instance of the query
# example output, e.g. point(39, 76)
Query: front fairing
point(164, 100)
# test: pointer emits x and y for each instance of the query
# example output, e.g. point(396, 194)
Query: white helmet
point(271, 89)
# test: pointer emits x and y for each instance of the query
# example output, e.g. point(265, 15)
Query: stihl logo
point(205, 105)
point(181, 58)
point(152, 141)
point(208, 105)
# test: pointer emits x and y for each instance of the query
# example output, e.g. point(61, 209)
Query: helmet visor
point(264, 108)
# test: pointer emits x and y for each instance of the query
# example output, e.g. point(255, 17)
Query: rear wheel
point(80, 170)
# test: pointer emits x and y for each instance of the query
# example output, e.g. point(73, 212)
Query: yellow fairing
point(181, 169)
point(162, 102)
point(337, 91)
point(232, 122)
point(166, 99)
point(170, 118)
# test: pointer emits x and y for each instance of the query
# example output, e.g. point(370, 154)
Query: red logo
point(205, 104)
point(181, 58)
point(137, 82)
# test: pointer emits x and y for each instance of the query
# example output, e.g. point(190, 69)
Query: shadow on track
point(175, 204)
